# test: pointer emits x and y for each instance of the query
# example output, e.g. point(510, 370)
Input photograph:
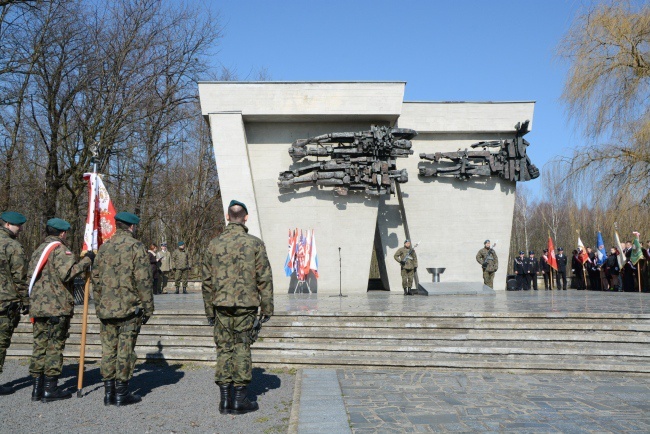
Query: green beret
point(13, 217)
point(236, 202)
point(181, 243)
point(127, 217)
point(58, 224)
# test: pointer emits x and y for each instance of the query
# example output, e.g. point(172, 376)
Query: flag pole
point(84, 318)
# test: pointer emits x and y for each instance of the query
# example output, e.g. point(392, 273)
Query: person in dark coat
point(629, 270)
point(532, 270)
point(612, 270)
point(155, 267)
point(520, 271)
point(578, 272)
point(593, 270)
point(545, 269)
point(561, 269)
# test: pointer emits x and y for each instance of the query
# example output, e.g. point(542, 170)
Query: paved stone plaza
point(412, 401)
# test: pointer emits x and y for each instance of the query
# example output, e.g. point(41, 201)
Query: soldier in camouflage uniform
point(237, 280)
point(123, 302)
point(52, 306)
point(13, 283)
point(408, 260)
point(489, 261)
point(181, 266)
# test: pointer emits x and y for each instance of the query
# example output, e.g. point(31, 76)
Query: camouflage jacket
point(180, 260)
point(122, 278)
point(412, 261)
point(236, 272)
point(488, 259)
point(13, 269)
point(53, 290)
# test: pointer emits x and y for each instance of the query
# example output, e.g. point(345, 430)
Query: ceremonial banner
point(552, 261)
point(601, 253)
point(583, 256)
point(621, 256)
point(313, 256)
point(100, 222)
point(637, 252)
point(288, 263)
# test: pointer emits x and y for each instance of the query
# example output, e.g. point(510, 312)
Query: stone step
point(379, 359)
point(476, 347)
point(392, 334)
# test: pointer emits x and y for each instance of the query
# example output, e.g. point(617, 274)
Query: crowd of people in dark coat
point(596, 273)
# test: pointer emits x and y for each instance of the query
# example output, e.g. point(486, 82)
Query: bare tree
point(607, 94)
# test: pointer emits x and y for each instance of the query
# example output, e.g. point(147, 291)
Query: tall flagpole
point(84, 320)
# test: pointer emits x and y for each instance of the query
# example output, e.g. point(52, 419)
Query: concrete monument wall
point(253, 125)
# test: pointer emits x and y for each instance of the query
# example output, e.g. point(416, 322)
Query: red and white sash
point(41, 262)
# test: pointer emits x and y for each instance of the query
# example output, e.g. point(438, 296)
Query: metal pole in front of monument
point(340, 279)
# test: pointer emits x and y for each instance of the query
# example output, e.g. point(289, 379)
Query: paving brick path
point(393, 401)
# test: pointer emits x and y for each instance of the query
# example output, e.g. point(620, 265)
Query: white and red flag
point(100, 223)
point(583, 256)
point(313, 255)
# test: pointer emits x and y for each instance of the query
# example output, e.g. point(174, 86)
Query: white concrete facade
point(253, 125)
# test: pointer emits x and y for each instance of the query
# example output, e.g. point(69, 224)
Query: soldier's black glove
point(145, 318)
point(211, 322)
point(265, 318)
point(25, 309)
point(90, 254)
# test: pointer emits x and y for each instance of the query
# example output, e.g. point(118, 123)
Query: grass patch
point(262, 419)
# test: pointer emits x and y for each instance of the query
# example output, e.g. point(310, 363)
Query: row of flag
point(302, 257)
point(601, 253)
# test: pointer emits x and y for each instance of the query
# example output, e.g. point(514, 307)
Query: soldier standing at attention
point(561, 269)
point(13, 286)
point(532, 271)
point(489, 261)
point(520, 271)
point(408, 260)
point(52, 270)
point(124, 302)
point(237, 280)
point(181, 264)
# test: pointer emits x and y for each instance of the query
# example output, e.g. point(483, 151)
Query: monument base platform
point(456, 288)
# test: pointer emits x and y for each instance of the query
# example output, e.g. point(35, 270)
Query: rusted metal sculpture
point(509, 162)
point(364, 160)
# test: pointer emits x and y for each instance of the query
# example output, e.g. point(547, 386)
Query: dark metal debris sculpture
point(509, 162)
point(365, 160)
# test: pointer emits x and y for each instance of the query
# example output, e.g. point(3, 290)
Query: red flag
point(100, 222)
point(552, 261)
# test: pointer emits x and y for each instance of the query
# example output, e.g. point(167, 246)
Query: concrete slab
point(456, 288)
point(321, 403)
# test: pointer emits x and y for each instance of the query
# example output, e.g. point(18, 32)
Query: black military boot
point(109, 392)
point(52, 392)
point(226, 399)
point(241, 404)
point(122, 395)
point(184, 290)
point(37, 391)
point(408, 291)
point(6, 390)
point(177, 290)
point(405, 292)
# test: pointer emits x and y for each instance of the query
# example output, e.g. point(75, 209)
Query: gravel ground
point(176, 398)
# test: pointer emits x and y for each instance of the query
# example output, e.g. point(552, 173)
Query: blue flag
point(601, 253)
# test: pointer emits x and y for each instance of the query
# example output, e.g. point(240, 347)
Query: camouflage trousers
point(231, 329)
point(118, 338)
point(407, 278)
point(7, 326)
point(50, 334)
point(488, 278)
point(181, 275)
